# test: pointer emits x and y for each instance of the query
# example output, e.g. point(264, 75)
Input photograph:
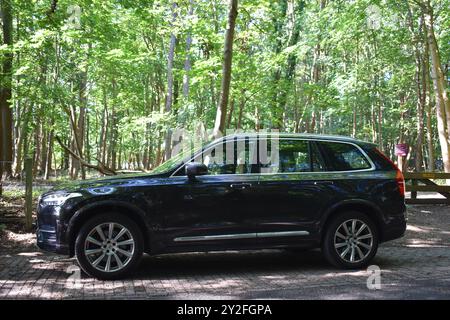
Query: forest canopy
point(96, 84)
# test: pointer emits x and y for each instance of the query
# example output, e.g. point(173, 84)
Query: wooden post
point(414, 193)
point(28, 193)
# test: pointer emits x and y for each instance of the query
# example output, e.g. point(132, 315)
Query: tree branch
point(102, 168)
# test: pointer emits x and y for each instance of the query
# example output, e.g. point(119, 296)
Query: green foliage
point(297, 65)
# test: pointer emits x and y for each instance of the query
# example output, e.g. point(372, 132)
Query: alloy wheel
point(109, 247)
point(353, 240)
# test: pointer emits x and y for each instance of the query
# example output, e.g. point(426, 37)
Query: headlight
point(58, 199)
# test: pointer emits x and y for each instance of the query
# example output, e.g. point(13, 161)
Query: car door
point(215, 209)
point(292, 191)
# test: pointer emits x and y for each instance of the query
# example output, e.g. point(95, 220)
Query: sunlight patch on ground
point(425, 195)
point(20, 237)
point(414, 228)
point(30, 254)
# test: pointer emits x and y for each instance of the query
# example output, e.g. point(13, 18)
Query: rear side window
point(293, 156)
point(343, 156)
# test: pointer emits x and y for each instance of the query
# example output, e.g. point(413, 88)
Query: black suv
point(243, 191)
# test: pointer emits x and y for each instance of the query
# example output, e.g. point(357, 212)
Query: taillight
point(400, 182)
point(398, 174)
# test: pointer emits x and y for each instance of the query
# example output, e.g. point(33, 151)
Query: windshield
point(176, 160)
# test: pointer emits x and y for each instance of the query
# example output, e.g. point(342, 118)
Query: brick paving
point(415, 267)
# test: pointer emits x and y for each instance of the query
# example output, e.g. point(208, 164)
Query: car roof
point(295, 135)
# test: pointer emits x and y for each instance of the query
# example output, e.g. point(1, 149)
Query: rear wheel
point(109, 246)
point(351, 240)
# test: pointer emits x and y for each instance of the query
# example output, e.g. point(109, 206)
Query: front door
point(216, 209)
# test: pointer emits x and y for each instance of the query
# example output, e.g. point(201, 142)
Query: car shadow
point(227, 263)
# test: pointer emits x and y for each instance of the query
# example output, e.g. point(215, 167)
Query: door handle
point(240, 186)
point(326, 182)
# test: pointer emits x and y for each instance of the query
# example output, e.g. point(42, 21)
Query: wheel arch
point(362, 206)
point(87, 212)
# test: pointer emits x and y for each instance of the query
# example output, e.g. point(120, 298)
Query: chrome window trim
point(372, 165)
point(254, 235)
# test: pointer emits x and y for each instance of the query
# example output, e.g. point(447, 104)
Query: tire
point(340, 247)
point(109, 260)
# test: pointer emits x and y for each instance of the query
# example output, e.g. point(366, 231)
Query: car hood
point(119, 180)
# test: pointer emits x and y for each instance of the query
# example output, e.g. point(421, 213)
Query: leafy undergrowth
point(12, 218)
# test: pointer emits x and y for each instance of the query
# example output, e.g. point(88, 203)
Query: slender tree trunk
point(426, 95)
point(170, 82)
point(219, 126)
point(22, 142)
point(241, 111)
point(187, 61)
point(418, 78)
point(44, 145)
point(37, 148)
point(6, 119)
point(48, 166)
point(442, 102)
point(230, 114)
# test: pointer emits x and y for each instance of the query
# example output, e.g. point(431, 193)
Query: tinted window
point(292, 156)
point(231, 157)
point(343, 156)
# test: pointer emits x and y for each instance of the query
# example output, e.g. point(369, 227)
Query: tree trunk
point(230, 114)
point(241, 111)
point(6, 120)
point(221, 112)
point(426, 95)
point(169, 96)
point(418, 78)
point(37, 148)
point(442, 103)
point(187, 61)
point(48, 166)
point(22, 145)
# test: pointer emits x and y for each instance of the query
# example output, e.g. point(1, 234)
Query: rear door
point(292, 191)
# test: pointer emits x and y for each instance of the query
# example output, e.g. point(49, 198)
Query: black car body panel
point(230, 211)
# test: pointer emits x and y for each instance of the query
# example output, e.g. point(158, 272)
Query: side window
point(343, 156)
point(293, 156)
point(231, 157)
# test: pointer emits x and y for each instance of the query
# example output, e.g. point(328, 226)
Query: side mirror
point(195, 169)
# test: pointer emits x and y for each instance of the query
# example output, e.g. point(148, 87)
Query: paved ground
point(415, 267)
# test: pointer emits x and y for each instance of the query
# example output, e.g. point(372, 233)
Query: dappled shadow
point(224, 275)
point(422, 255)
point(428, 226)
point(216, 263)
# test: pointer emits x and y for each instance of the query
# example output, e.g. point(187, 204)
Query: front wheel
point(109, 246)
point(350, 241)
